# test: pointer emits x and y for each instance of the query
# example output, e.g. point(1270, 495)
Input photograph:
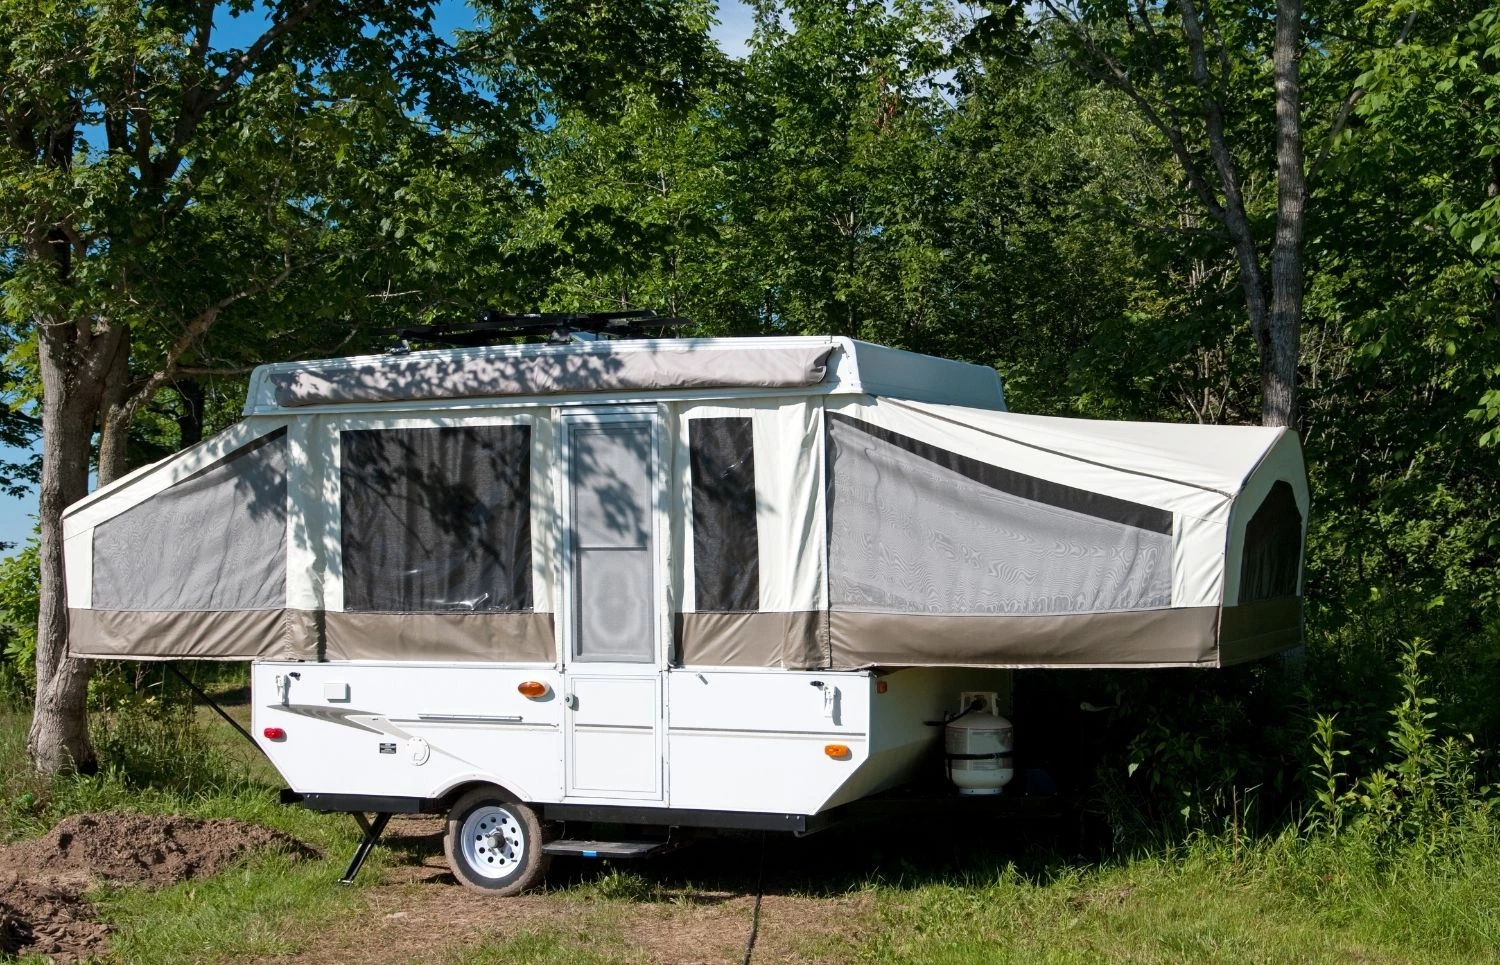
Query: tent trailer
point(667, 582)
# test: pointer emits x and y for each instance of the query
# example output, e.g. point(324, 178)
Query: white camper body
point(723, 582)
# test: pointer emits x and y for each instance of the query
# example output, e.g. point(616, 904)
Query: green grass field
point(938, 893)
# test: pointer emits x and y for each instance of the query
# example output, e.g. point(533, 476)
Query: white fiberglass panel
point(614, 729)
point(354, 728)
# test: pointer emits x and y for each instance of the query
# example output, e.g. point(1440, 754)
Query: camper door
point(613, 613)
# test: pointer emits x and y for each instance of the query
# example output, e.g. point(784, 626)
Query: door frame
point(567, 623)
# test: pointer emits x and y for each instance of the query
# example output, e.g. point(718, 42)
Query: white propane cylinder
point(978, 748)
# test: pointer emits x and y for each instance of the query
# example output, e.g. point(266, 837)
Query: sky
point(18, 516)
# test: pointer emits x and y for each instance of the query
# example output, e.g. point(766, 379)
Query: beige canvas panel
point(1254, 630)
point(789, 509)
point(1198, 560)
point(601, 370)
point(1175, 637)
point(1214, 457)
point(510, 637)
point(185, 635)
point(796, 640)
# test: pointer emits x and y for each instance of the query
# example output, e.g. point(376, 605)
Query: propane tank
point(978, 748)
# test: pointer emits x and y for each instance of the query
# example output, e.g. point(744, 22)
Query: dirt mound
point(146, 849)
point(42, 909)
point(40, 918)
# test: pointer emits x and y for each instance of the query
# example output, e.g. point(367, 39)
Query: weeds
point(1426, 795)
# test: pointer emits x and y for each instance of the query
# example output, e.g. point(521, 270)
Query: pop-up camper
point(669, 583)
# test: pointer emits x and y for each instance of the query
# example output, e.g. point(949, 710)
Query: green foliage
point(1426, 795)
point(19, 602)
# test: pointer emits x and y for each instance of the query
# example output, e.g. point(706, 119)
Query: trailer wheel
point(494, 845)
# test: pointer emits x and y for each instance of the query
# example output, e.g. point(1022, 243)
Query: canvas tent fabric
point(976, 538)
point(161, 588)
point(589, 369)
point(803, 531)
point(776, 530)
point(920, 529)
point(243, 497)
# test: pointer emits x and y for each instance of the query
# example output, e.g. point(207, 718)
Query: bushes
point(20, 592)
point(1426, 794)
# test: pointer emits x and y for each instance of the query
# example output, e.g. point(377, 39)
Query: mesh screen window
point(436, 520)
point(914, 528)
point(154, 556)
point(1272, 563)
point(726, 545)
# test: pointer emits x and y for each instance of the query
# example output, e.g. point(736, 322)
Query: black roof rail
point(491, 326)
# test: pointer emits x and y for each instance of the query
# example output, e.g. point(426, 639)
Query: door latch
point(571, 701)
point(830, 701)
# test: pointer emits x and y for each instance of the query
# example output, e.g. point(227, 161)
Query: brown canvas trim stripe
point(796, 640)
point(501, 636)
point(505, 637)
point(1250, 631)
point(183, 635)
point(1032, 488)
point(1179, 637)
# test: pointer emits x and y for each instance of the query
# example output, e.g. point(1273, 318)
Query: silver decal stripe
point(466, 719)
point(331, 715)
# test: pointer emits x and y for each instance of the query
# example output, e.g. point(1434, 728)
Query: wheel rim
point(492, 841)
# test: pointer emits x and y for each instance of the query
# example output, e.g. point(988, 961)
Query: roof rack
point(559, 328)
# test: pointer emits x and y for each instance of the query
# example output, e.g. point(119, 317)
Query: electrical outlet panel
point(990, 700)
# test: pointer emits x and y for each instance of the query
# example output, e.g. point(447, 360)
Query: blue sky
point(18, 516)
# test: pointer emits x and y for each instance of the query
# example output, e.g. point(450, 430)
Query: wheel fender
point(460, 783)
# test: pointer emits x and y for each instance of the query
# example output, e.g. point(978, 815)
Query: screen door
point(612, 713)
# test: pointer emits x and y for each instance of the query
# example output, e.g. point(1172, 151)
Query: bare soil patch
point(418, 913)
point(42, 882)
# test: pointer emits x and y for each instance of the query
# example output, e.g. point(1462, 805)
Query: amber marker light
point(532, 688)
point(839, 752)
point(880, 686)
point(274, 734)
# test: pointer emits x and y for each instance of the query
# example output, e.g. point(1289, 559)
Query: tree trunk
point(1280, 342)
point(114, 430)
point(59, 736)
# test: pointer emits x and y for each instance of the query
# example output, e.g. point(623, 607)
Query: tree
point(152, 181)
point(1190, 74)
point(162, 193)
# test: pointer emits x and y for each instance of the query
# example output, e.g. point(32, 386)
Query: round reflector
point(532, 688)
point(838, 752)
point(274, 734)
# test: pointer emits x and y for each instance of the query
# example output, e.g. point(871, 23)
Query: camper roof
point(634, 369)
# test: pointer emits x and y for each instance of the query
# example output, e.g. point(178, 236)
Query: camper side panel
point(410, 729)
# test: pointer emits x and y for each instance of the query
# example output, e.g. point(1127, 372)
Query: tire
point(493, 844)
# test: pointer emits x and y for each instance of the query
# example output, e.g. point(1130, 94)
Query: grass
point(933, 894)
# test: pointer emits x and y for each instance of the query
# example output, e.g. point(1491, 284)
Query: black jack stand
point(373, 830)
